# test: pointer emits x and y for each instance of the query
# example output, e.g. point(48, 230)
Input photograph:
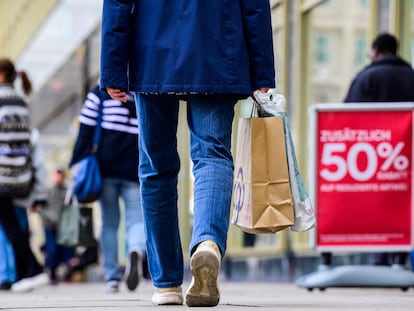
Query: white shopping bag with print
point(273, 104)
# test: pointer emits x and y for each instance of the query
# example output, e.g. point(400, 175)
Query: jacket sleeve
point(116, 18)
point(257, 27)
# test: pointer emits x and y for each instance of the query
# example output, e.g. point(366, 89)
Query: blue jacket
point(388, 79)
point(202, 46)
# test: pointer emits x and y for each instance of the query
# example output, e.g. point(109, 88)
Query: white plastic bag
point(273, 104)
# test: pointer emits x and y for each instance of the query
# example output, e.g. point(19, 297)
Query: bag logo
point(239, 193)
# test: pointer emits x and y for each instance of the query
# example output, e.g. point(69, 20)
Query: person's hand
point(263, 89)
point(258, 92)
point(117, 94)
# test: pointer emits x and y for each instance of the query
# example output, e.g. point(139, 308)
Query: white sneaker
point(111, 286)
point(133, 272)
point(168, 296)
point(205, 267)
point(28, 284)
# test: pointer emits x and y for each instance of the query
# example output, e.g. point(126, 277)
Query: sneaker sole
point(167, 299)
point(133, 275)
point(203, 291)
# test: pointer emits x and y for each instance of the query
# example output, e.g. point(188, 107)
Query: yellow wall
point(19, 21)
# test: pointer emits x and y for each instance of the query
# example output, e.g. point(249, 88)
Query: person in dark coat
point(117, 155)
point(387, 79)
point(210, 54)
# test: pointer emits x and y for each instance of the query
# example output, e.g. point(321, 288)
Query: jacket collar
point(390, 60)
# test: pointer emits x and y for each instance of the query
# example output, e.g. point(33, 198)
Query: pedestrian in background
point(211, 54)
point(55, 254)
point(118, 161)
point(19, 138)
point(388, 78)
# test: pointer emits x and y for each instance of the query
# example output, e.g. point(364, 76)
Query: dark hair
point(385, 43)
point(10, 74)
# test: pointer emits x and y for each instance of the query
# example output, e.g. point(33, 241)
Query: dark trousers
point(26, 263)
point(55, 254)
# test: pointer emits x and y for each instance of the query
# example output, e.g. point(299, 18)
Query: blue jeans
point(55, 253)
point(7, 265)
point(114, 189)
point(25, 261)
point(210, 120)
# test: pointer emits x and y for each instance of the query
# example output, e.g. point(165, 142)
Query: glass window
point(339, 48)
point(327, 3)
point(363, 4)
point(360, 51)
point(322, 49)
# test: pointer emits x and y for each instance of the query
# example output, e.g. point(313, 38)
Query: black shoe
point(145, 271)
point(134, 270)
point(5, 286)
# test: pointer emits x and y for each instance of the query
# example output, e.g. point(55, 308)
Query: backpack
point(16, 173)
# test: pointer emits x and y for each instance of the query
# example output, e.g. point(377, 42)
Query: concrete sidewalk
point(234, 296)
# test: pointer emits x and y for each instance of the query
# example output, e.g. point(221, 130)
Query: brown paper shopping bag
point(262, 200)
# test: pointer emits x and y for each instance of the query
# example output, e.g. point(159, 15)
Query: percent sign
point(339, 161)
point(392, 156)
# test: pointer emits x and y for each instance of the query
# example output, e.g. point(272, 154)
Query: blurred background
point(319, 47)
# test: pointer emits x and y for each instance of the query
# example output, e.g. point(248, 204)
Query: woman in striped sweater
point(18, 160)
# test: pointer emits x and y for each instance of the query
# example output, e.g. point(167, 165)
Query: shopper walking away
point(211, 54)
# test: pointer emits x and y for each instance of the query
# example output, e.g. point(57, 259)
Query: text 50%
point(334, 154)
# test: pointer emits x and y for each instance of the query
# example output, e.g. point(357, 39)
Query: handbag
point(272, 104)
point(86, 235)
point(262, 200)
point(68, 225)
point(75, 227)
point(86, 174)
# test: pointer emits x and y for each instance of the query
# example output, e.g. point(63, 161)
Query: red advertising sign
point(363, 177)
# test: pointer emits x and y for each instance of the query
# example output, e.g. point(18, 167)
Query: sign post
point(362, 187)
